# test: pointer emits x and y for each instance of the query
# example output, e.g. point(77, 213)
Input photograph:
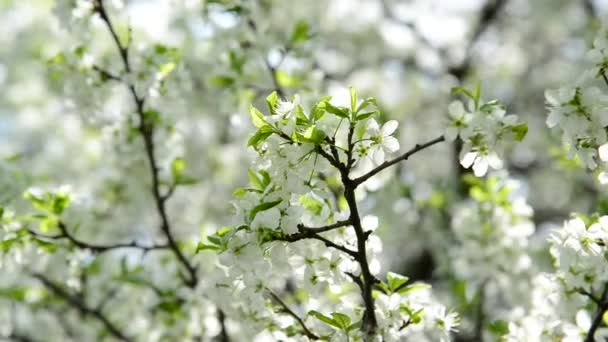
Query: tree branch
point(146, 130)
point(287, 310)
point(313, 235)
point(65, 234)
point(81, 306)
point(404, 156)
point(599, 313)
point(332, 226)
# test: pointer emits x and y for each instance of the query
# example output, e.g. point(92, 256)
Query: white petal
point(554, 118)
point(494, 161)
point(583, 320)
point(456, 109)
point(480, 167)
point(379, 156)
point(390, 144)
point(389, 127)
point(603, 152)
point(372, 127)
point(468, 159)
point(603, 178)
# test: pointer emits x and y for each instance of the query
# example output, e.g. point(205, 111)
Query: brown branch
point(599, 313)
point(146, 130)
point(287, 310)
point(96, 248)
point(313, 235)
point(332, 226)
point(419, 147)
point(81, 306)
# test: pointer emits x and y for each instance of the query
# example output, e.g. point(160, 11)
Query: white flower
point(480, 162)
point(555, 101)
point(382, 141)
point(459, 118)
point(445, 321)
point(284, 108)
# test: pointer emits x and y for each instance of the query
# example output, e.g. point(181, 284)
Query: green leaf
point(260, 136)
point(325, 319)
point(367, 102)
point(301, 32)
point(395, 281)
point(18, 294)
point(353, 99)
point(265, 178)
point(257, 118)
point(152, 116)
point(255, 180)
point(313, 135)
point(5, 245)
point(177, 167)
point(216, 240)
point(318, 110)
point(165, 69)
point(311, 204)
point(60, 202)
point(205, 247)
point(58, 59)
point(262, 207)
point(414, 288)
point(49, 223)
point(364, 116)
point(498, 327)
point(341, 319)
point(339, 111)
point(286, 80)
point(224, 231)
point(520, 131)
point(301, 118)
point(272, 100)
point(222, 81)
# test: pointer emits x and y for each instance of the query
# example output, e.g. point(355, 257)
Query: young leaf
point(367, 102)
point(339, 111)
point(313, 135)
point(301, 32)
point(327, 320)
point(341, 319)
point(255, 180)
point(263, 207)
point(353, 99)
point(364, 116)
point(520, 131)
point(395, 281)
point(260, 136)
point(272, 100)
point(257, 118)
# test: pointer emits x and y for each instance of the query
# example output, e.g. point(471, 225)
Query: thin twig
point(404, 156)
point(81, 306)
point(598, 316)
point(95, 248)
point(146, 130)
point(287, 310)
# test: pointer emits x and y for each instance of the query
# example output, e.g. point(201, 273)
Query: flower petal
point(603, 152)
point(389, 127)
point(468, 159)
point(390, 144)
point(480, 167)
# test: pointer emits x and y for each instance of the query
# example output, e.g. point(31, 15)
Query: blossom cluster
point(483, 127)
point(580, 110)
point(565, 301)
point(293, 231)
